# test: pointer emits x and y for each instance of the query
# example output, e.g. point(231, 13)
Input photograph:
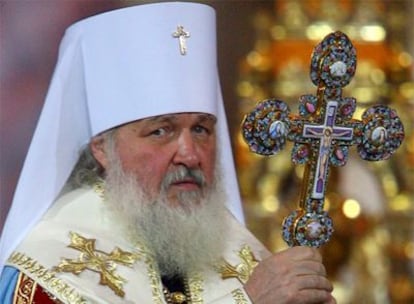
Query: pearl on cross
point(338, 69)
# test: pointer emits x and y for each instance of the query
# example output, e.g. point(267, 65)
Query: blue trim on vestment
point(8, 281)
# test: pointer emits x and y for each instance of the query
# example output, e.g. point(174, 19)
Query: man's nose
point(187, 152)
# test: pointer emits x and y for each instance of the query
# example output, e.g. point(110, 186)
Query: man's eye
point(159, 132)
point(201, 130)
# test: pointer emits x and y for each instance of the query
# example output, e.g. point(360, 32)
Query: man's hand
point(295, 275)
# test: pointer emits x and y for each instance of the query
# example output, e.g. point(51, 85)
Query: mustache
point(181, 174)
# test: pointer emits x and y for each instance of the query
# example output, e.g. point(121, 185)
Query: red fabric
point(29, 292)
point(41, 297)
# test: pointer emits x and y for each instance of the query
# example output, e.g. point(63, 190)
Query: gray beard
point(183, 239)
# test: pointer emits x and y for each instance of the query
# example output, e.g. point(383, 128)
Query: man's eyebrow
point(172, 117)
point(160, 118)
point(207, 117)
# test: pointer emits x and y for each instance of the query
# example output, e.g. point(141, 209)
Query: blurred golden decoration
point(371, 255)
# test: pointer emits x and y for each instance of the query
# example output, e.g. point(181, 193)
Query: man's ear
point(97, 146)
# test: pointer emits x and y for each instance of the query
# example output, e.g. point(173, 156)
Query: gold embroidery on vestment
point(154, 278)
point(25, 290)
point(239, 297)
point(195, 284)
point(243, 270)
point(98, 261)
point(46, 278)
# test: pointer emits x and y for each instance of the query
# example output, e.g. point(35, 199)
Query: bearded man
point(144, 216)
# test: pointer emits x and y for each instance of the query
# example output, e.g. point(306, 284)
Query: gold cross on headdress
point(322, 134)
point(97, 261)
point(181, 34)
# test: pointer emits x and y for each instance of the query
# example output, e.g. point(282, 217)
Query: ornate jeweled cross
point(181, 34)
point(322, 134)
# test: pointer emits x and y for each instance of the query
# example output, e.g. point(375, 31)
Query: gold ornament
point(98, 261)
point(243, 270)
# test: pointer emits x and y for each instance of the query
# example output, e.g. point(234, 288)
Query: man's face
point(154, 147)
point(153, 202)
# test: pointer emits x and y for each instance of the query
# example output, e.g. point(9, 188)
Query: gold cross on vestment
point(243, 270)
point(181, 34)
point(97, 261)
point(322, 134)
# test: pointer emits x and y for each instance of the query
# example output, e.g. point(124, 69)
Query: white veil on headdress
point(115, 68)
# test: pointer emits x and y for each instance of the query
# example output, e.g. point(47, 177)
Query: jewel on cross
point(181, 34)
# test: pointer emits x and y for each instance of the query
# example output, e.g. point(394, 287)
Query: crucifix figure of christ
point(326, 132)
point(322, 134)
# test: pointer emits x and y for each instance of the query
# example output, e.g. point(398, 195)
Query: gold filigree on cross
point(98, 261)
point(243, 270)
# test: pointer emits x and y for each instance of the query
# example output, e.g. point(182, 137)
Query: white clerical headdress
point(115, 68)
